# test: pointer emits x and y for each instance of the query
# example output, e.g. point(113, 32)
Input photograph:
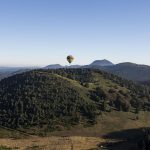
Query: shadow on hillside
point(124, 140)
point(125, 134)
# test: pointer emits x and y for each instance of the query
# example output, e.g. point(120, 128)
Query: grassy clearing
point(106, 84)
point(120, 123)
point(107, 123)
point(8, 148)
point(51, 143)
point(35, 147)
point(10, 133)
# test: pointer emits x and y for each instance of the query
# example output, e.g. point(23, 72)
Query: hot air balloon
point(70, 59)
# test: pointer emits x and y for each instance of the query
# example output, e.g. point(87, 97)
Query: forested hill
point(64, 97)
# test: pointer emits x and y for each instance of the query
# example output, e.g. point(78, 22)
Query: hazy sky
point(42, 32)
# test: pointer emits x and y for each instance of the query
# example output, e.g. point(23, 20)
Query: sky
point(43, 32)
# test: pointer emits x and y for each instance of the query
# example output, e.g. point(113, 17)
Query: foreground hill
point(52, 99)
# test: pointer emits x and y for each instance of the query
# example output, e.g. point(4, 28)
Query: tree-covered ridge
point(53, 98)
point(36, 98)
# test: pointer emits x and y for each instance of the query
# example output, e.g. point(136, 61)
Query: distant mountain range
point(101, 63)
point(127, 70)
point(53, 66)
point(131, 71)
point(58, 66)
point(9, 71)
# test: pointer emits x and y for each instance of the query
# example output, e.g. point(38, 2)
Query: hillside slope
point(52, 99)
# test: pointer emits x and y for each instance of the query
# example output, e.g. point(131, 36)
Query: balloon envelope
point(70, 58)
